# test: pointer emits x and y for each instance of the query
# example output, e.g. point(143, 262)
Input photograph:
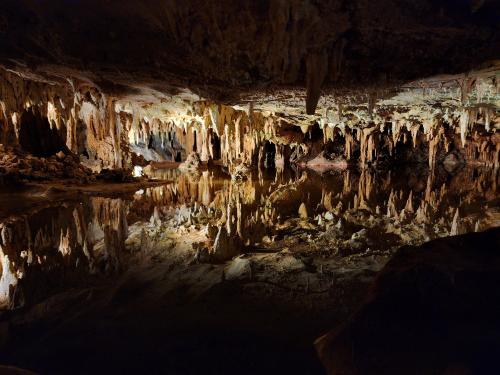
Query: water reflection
point(59, 246)
point(439, 204)
point(55, 246)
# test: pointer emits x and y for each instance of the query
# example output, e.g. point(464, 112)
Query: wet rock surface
point(433, 310)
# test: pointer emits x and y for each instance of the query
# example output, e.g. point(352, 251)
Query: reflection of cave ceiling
point(248, 51)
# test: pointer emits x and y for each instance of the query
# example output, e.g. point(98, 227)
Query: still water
point(51, 241)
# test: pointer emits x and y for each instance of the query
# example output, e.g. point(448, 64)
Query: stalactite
point(316, 67)
point(368, 144)
point(454, 225)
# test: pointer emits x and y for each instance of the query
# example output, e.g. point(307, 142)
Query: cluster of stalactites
point(404, 129)
point(212, 131)
point(18, 95)
point(106, 130)
point(242, 134)
point(225, 133)
point(157, 140)
point(102, 128)
point(85, 118)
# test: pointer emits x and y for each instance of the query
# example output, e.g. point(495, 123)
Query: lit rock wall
point(84, 118)
point(422, 123)
point(413, 125)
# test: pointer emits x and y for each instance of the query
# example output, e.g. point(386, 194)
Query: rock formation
point(412, 125)
point(282, 80)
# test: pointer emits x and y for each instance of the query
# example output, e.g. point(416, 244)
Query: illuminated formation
point(454, 121)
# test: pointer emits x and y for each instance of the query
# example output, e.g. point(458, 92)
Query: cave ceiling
point(295, 59)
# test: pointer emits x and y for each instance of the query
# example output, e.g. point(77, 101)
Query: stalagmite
point(8, 281)
point(454, 225)
point(303, 211)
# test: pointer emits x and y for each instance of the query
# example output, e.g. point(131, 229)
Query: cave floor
point(198, 273)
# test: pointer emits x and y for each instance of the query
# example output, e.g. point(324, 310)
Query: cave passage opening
point(81, 139)
point(38, 137)
point(269, 155)
point(215, 141)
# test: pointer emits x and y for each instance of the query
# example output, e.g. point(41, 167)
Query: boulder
point(239, 269)
point(192, 163)
point(433, 310)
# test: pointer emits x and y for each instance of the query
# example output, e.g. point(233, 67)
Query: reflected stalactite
point(82, 238)
point(252, 209)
